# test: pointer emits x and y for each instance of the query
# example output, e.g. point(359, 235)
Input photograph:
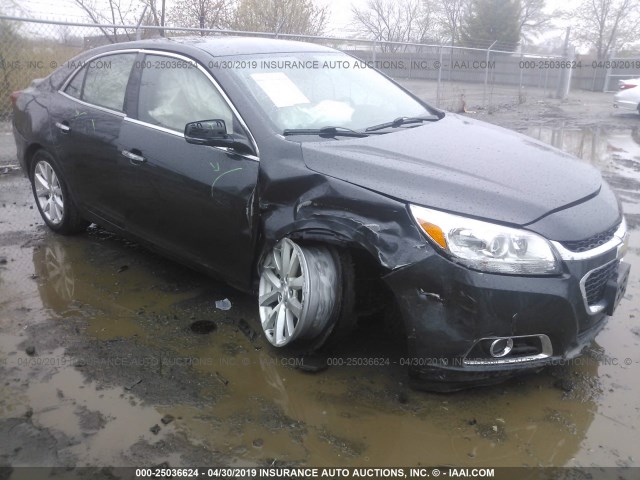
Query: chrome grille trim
point(620, 237)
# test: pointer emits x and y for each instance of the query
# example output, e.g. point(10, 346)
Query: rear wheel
point(305, 295)
point(52, 196)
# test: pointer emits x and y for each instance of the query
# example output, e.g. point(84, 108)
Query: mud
point(100, 340)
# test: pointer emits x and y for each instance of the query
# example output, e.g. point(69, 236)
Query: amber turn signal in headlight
point(486, 246)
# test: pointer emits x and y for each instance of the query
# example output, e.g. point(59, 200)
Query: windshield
point(316, 90)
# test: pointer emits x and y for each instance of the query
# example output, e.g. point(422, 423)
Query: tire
point(52, 196)
point(305, 296)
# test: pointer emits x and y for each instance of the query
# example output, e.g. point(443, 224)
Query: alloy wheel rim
point(49, 192)
point(282, 292)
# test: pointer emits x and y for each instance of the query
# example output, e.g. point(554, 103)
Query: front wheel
point(305, 294)
point(52, 196)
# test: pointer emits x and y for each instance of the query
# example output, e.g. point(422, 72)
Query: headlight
point(486, 246)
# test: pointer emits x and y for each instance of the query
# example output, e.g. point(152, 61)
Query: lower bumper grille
point(597, 280)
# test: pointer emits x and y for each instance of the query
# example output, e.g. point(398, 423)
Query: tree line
point(302, 17)
point(605, 26)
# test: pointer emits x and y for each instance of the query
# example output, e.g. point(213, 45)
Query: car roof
point(221, 46)
point(249, 45)
point(216, 46)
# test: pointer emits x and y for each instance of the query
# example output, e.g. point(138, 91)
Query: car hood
point(461, 165)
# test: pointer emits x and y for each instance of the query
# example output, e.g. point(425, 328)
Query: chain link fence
point(450, 77)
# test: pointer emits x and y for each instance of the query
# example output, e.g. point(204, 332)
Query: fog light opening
point(509, 350)
point(501, 347)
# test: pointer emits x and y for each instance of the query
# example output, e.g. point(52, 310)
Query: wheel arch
point(332, 232)
point(364, 245)
point(374, 230)
point(29, 153)
point(72, 221)
point(391, 240)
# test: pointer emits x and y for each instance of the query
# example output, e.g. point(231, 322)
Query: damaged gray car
point(298, 173)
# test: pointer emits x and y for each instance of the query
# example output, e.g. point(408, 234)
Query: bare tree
point(11, 7)
point(390, 21)
point(153, 13)
point(114, 12)
point(606, 25)
point(201, 13)
point(64, 34)
point(451, 14)
point(68, 38)
point(281, 16)
point(533, 20)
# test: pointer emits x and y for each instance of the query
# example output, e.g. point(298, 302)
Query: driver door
point(189, 200)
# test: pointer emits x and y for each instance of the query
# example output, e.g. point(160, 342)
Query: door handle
point(133, 157)
point(63, 126)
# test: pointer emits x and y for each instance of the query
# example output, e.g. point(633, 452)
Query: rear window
point(106, 80)
point(103, 81)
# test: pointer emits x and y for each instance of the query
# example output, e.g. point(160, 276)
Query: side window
point(74, 88)
point(106, 80)
point(174, 92)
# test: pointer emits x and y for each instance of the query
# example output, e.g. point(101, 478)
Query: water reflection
point(342, 416)
point(55, 270)
point(597, 145)
point(615, 152)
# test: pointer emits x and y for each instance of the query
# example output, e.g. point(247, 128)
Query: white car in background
point(628, 98)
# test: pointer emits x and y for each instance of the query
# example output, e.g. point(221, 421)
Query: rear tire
point(52, 197)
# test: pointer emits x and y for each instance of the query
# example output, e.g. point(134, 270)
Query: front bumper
point(453, 314)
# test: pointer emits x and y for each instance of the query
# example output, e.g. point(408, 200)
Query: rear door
point(191, 200)
point(87, 116)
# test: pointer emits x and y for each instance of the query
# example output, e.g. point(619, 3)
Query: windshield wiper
point(325, 131)
point(402, 121)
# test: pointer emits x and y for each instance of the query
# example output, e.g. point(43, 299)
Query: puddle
point(126, 346)
point(615, 152)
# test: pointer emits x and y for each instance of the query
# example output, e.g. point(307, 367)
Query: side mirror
point(214, 134)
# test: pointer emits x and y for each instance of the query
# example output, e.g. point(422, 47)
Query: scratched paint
point(216, 168)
